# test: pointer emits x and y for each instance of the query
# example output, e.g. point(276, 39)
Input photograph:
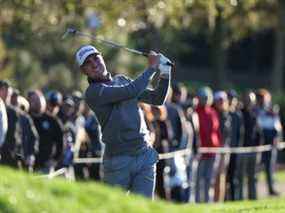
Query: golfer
point(129, 161)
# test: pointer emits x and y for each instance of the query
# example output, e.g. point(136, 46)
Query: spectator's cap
point(69, 101)
point(232, 94)
point(4, 83)
point(83, 52)
point(77, 96)
point(205, 95)
point(23, 103)
point(54, 97)
point(204, 92)
point(220, 95)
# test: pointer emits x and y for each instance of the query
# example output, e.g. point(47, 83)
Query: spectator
point(193, 138)
point(210, 136)
point(163, 134)
point(177, 120)
point(236, 136)
point(14, 97)
point(95, 145)
point(50, 133)
point(179, 141)
point(11, 148)
point(29, 136)
point(221, 105)
point(54, 101)
point(247, 161)
point(269, 121)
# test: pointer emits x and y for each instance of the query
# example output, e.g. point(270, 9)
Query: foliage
point(31, 45)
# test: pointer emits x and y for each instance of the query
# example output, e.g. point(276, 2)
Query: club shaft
point(113, 44)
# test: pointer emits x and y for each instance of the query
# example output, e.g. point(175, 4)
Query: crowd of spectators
point(43, 132)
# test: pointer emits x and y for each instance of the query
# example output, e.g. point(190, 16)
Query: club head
point(69, 31)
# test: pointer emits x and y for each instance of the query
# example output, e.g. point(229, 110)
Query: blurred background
point(222, 43)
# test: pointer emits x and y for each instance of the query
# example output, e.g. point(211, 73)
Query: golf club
point(74, 32)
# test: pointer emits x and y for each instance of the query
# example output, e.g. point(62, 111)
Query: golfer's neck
point(106, 78)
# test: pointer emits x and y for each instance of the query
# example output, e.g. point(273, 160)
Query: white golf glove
point(163, 67)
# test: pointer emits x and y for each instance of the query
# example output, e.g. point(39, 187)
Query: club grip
point(167, 63)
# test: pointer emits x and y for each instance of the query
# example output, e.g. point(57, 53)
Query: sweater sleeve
point(100, 94)
point(158, 95)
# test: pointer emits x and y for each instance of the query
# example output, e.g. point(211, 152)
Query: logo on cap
point(85, 51)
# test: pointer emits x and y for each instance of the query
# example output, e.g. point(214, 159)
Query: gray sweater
point(115, 104)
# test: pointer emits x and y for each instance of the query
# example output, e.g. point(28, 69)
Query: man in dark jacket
point(11, 148)
point(29, 134)
point(129, 161)
point(236, 136)
point(247, 162)
point(50, 133)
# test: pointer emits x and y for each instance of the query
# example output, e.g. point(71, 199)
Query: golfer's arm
point(106, 94)
point(158, 95)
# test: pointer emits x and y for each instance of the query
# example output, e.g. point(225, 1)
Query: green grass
point(20, 192)
point(279, 176)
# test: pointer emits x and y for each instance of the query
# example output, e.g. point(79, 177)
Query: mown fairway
point(20, 192)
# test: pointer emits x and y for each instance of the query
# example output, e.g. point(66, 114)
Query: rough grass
point(20, 192)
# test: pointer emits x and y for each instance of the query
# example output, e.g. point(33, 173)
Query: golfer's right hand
point(153, 60)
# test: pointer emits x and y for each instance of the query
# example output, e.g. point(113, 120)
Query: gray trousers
point(204, 179)
point(135, 173)
point(269, 160)
point(247, 170)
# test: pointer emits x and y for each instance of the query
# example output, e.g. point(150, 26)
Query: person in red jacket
point(210, 136)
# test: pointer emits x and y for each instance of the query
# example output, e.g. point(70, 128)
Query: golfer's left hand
point(163, 67)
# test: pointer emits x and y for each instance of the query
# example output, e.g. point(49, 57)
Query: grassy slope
point(23, 193)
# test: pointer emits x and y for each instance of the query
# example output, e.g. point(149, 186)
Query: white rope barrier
point(54, 174)
point(201, 150)
point(184, 152)
point(87, 160)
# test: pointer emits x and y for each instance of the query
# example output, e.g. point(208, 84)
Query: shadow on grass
point(5, 207)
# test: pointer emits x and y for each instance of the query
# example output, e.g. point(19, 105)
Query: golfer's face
point(94, 67)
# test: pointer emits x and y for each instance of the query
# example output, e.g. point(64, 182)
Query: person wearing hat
point(268, 120)
point(246, 170)
point(128, 161)
point(54, 101)
point(209, 136)
point(221, 105)
point(236, 136)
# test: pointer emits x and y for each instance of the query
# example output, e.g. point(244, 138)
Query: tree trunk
point(218, 54)
point(277, 74)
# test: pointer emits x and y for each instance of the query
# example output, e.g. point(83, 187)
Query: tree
point(278, 62)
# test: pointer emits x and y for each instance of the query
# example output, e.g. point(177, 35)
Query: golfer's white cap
point(83, 52)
